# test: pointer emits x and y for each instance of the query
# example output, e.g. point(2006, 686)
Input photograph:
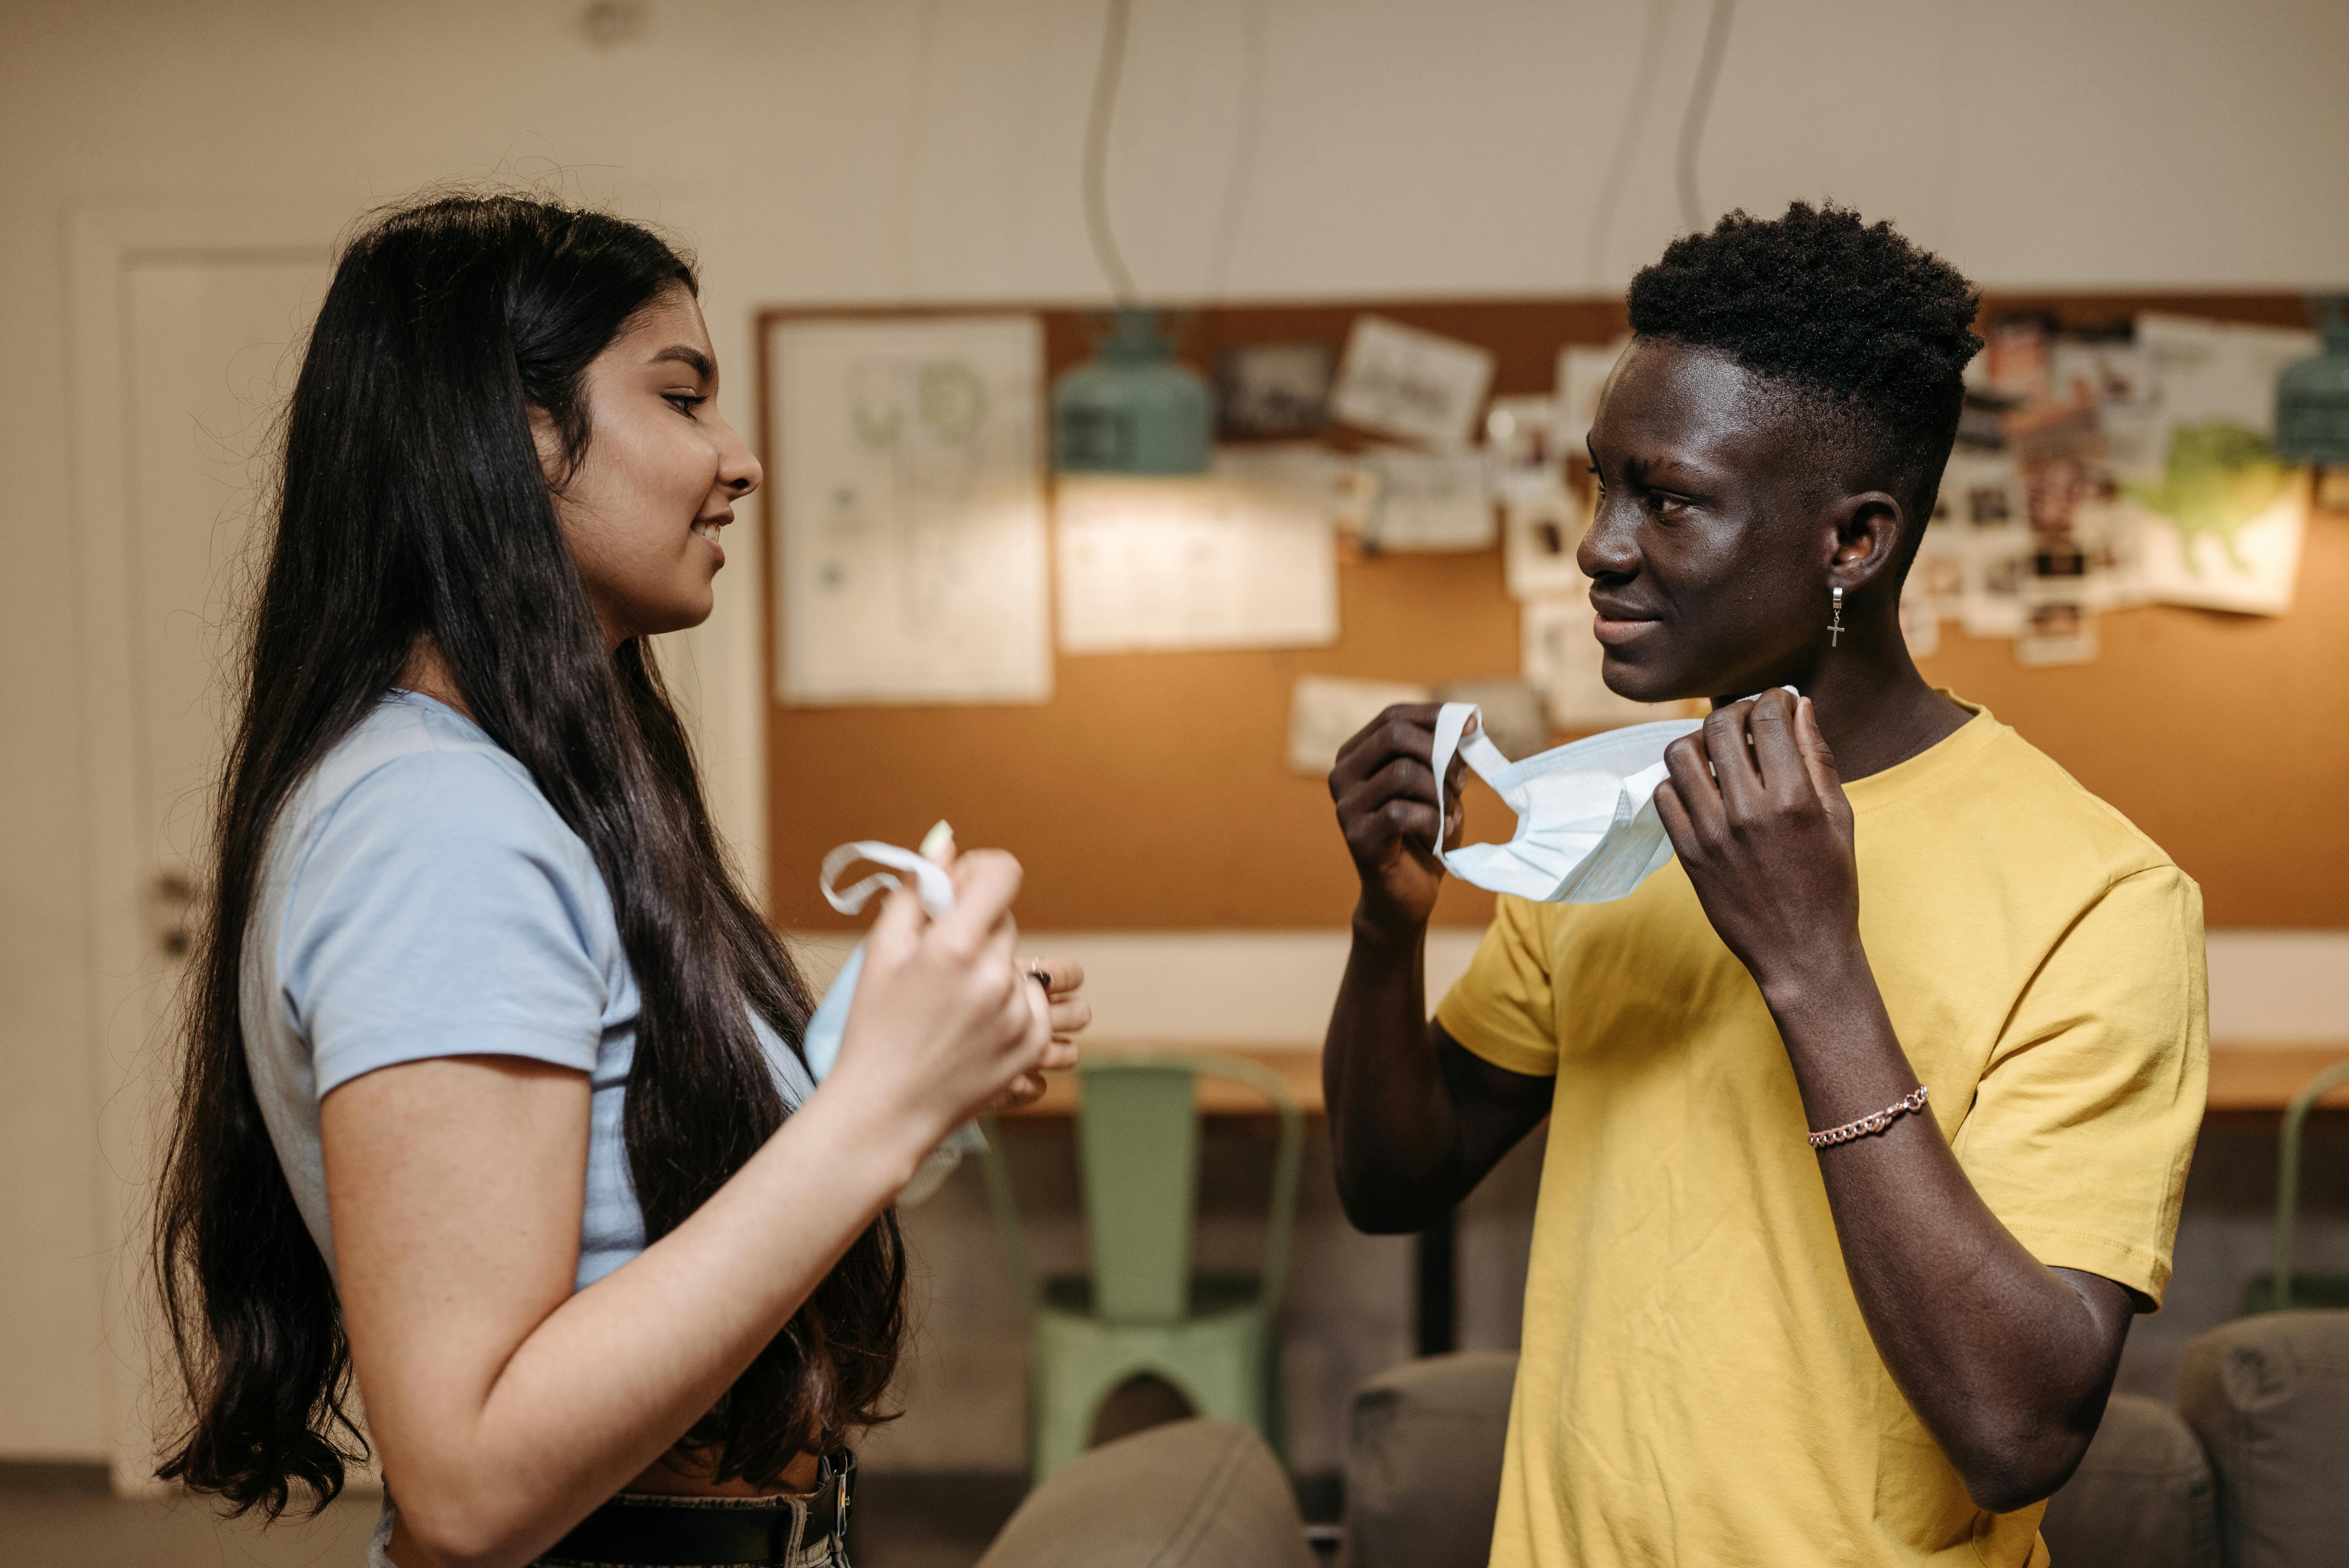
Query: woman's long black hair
point(412, 504)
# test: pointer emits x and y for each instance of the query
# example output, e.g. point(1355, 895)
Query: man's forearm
point(1392, 1126)
point(2003, 1361)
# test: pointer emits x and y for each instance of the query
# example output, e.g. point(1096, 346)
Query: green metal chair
point(1144, 1309)
point(2279, 1291)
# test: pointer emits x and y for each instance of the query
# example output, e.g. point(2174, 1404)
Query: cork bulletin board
point(1151, 791)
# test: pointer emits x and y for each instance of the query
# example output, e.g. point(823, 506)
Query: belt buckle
point(838, 1465)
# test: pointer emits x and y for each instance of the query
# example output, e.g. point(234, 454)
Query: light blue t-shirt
point(421, 899)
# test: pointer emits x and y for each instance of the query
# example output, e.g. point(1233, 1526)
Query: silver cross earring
point(1835, 627)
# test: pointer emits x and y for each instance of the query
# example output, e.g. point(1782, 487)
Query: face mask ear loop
point(1451, 720)
point(932, 885)
point(1484, 759)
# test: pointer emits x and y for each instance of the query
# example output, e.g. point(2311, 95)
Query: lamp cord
point(1652, 51)
point(1708, 73)
point(1243, 159)
point(1097, 123)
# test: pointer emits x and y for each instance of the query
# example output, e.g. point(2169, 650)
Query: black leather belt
point(642, 1530)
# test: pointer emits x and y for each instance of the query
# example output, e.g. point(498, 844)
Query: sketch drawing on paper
point(911, 566)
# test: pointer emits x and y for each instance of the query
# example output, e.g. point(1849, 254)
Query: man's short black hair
point(1870, 333)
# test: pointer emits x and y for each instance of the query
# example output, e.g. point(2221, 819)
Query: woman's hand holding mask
point(1055, 984)
point(944, 1023)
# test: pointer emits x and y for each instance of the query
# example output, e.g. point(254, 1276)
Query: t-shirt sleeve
point(1503, 1009)
point(2084, 1121)
point(442, 910)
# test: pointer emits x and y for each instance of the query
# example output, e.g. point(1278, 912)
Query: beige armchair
point(2251, 1471)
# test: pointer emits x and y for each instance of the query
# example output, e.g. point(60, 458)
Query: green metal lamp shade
point(2312, 396)
point(1131, 408)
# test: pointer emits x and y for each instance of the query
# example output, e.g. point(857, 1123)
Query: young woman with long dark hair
point(493, 1101)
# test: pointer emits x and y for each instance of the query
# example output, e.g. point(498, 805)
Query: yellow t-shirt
point(1697, 1386)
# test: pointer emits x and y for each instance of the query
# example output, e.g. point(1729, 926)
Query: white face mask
point(826, 1026)
point(1587, 825)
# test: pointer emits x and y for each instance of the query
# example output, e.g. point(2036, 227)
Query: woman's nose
point(738, 467)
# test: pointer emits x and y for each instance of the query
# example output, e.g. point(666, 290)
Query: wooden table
point(1299, 1068)
point(2245, 1081)
point(2263, 1079)
point(2242, 1077)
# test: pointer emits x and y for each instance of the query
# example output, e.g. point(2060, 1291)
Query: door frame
point(103, 242)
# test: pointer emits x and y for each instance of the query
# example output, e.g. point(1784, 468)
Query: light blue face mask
point(1587, 825)
point(821, 1044)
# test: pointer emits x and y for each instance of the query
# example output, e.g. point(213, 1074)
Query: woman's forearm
point(508, 1406)
point(665, 1334)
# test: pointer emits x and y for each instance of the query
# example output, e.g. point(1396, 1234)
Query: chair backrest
point(1138, 1159)
point(2295, 1117)
point(1006, 1215)
point(1138, 1166)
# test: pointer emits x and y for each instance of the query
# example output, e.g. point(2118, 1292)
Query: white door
point(212, 357)
point(185, 353)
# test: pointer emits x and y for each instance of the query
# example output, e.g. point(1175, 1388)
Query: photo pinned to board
point(2057, 631)
point(1542, 526)
point(1416, 385)
point(1936, 584)
point(2059, 622)
point(1510, 712)
point(1978, 566)
point(1273, 391)
point(1582, 372)
point(1327, 711)
point(1521, 439)
point(2104, 468)
point(1434, 502)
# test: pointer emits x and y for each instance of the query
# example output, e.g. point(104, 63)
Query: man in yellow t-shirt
point(1889, 918)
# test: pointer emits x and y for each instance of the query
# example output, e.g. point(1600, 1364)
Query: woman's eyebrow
point(686, 354)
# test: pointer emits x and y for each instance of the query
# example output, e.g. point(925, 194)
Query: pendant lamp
point(2312, 396)
point(1131, 408)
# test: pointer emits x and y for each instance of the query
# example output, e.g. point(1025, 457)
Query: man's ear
point(1869, 530)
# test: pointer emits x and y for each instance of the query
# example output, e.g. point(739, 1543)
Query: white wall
point(887, 150)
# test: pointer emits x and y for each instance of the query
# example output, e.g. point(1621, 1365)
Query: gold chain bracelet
point(1907, 1105)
